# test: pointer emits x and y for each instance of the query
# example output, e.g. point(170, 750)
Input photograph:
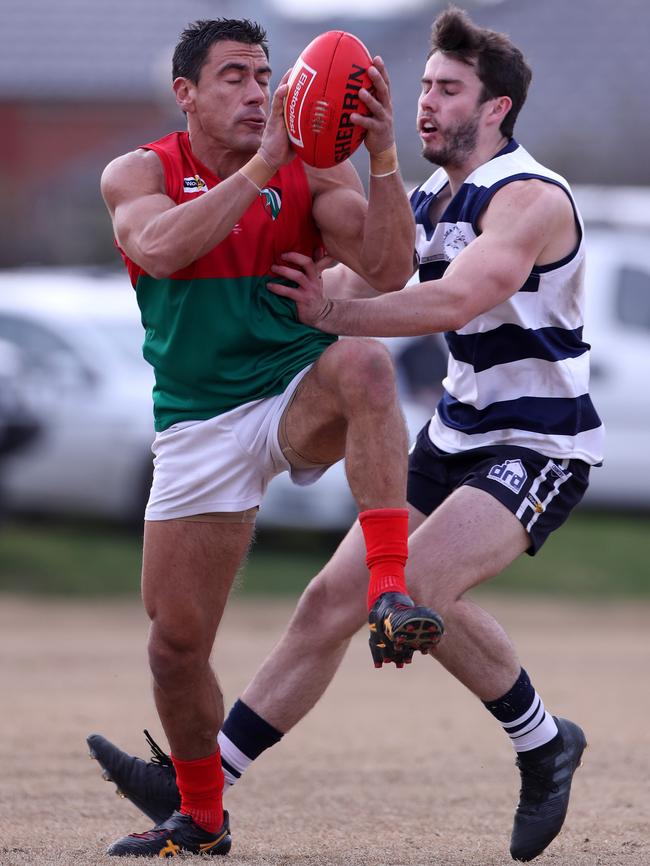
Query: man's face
point(230, 102)
point(449, 111)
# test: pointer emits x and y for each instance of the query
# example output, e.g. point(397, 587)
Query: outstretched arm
point(537, 221)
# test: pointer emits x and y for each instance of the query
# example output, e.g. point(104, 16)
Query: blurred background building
point(83, 82)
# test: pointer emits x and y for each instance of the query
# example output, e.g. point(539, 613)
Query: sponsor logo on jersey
point(535, 502)
point(194, 184)
point(511, 474)
point(272, 200)
point(559, 472)
point(434, 257)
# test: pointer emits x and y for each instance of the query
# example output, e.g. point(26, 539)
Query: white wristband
point(250, 180)
point(385, 174)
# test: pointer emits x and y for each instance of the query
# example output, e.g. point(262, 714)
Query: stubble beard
point(458, 145)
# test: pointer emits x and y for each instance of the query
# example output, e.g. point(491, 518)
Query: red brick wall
point(51, 158)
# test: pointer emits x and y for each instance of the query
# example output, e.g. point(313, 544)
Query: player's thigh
point(315, 421)
point(187, 572)
point(468, 539)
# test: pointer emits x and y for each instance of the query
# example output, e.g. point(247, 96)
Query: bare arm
point(341, 282)
point(162, 236)
point(526, 223)
point(155, 232)
point(375, 238)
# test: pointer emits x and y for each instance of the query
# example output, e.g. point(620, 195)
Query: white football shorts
point(224, 463)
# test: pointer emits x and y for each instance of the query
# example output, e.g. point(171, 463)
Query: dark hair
point(500, 65)
point(196, 40)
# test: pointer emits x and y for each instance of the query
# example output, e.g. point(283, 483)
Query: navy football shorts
point(540, 491)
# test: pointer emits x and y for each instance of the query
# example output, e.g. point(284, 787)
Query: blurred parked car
point(618, 327)
point(18, 426)
point(83, 377)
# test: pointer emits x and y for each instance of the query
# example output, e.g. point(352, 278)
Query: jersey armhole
point(168, 168)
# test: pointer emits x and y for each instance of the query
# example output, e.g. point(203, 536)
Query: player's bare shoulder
point(536, 213)
point(132, 175)
point(534, 198)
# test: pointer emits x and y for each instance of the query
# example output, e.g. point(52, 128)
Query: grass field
point(594, 554)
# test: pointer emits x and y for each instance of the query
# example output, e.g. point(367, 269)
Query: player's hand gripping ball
point(323, 92)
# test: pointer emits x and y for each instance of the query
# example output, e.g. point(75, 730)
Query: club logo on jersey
point(194, 184)
point(454, 241)
point(272, 200)
point(511, 474)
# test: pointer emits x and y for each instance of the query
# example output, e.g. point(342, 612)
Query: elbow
point(157, 263)
point(157, 255)
point(454, 323)
point(458, 315)
point(158, 270)
point(390, 279)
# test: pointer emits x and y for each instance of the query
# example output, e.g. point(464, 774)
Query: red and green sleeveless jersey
point(214, 334)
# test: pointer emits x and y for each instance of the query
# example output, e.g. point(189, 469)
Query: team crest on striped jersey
point(455, 239)
point(272, 200)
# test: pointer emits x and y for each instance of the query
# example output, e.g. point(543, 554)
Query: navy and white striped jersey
point(519, 373)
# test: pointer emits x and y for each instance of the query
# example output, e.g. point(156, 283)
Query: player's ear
point(501, 105)
point(184, 90)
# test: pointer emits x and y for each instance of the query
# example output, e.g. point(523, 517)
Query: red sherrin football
point(323, 91)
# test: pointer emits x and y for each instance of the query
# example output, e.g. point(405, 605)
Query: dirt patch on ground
point(392, 767)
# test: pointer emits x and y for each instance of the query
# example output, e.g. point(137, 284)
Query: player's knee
point(366, 375)
point(173, 659)
point(443, 603)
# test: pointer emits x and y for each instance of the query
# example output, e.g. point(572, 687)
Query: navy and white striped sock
point(242, 739)
point(523, 717)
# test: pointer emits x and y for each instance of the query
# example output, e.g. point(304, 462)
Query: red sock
point(200, 784)
point(386, 533)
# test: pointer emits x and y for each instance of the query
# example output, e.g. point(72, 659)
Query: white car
point(18, 426)
point(618, 327)
point(78, 337)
